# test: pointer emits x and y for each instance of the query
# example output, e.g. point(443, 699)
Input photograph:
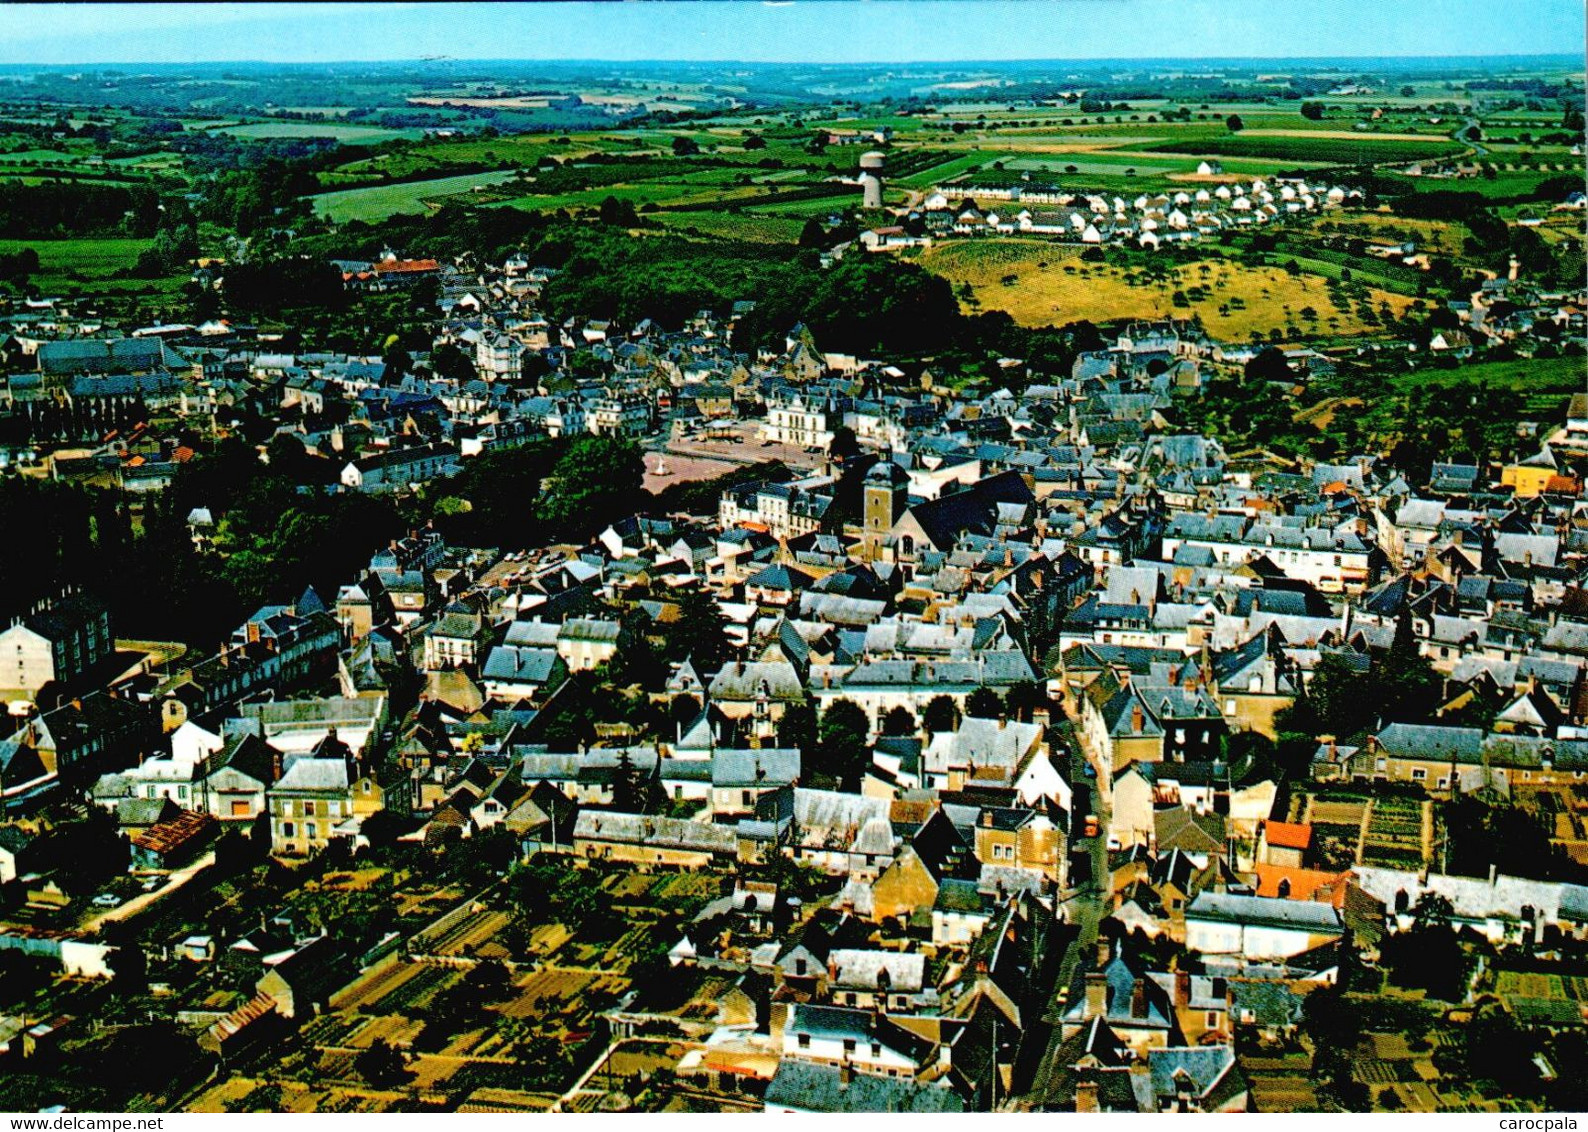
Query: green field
point(341, 132)
point(755, 227)
point(376, 202)
point(1340, 151)
point(1538, 376)
point(67, 265)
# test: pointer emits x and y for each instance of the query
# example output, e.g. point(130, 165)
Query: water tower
point(871, 179)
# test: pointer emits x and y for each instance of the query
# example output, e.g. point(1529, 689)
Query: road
point(139, 903)
point(1461, 136)
point(580, 1086)
point(1084, 911)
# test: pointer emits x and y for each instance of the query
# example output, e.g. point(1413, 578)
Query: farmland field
point(65, 264)
point(376, 202)
point(736, 226)
point(1345, 151)
point(342, 132)
point(1042, 283)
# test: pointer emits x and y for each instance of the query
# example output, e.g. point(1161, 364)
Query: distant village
point(1148, 220)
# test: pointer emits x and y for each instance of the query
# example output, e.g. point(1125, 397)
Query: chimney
point(1137, 720)
point(1494, 874)
point(1003, 720)
point(1182, 988)
point(1138, 999)
point(845, 1075)
point(1096, 995)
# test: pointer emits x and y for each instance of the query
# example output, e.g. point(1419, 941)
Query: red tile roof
point(1289, 835)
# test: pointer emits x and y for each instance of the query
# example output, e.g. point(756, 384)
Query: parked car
point(107, 900)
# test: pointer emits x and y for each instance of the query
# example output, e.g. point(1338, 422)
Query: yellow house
point(1527, 481)
point(1536, 475)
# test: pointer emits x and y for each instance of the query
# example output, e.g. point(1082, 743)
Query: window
point(876, 1049)
point(849, 1043)
point(308, 809)
point(1213, 1019)
point(1418, 774)
point(286, 829)
point(309, 831)
point(805, 1041)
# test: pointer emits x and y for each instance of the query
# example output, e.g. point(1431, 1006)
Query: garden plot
point(1398, 833)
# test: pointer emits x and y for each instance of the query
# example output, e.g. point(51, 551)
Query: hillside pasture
point(377, 202)
point(1040, 283)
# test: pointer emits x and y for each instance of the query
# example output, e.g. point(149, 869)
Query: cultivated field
point(376, 202)
point(342, 132)
point(88, 263)
point(1042, 283)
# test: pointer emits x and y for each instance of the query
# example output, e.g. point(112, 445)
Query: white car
point(107, 900)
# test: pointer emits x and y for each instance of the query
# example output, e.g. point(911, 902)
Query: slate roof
point(1261, 911)
point(813, 1087)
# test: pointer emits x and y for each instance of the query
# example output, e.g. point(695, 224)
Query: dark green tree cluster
point(1429, 956)
point(596, 480)
point(248, 199)
point(77, 209)
point(843, 750)
point(1483, 834)
point(1341, 701)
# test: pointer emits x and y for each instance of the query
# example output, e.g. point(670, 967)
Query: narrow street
point(1084, 911)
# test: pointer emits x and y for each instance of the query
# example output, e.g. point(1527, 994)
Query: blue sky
point(802, 31)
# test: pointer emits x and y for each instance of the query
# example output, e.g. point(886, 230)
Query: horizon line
point(1095, 59)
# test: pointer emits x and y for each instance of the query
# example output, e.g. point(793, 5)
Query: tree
point(940, 715)
point(842, 751)
point(797, 728)
point(380, 1064)
point(844, 444)
point(700, 633)
point(628, 786)
point(1429, 956)
point(1473, 133)
point(754, 141)
point(446, 360)
point(898, 722)
point(1313, 111)
point(1270, 364)
point(596, 481)
point(1024, 699)
point(685, 147)
point(1234, 124)
point(984, 703)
